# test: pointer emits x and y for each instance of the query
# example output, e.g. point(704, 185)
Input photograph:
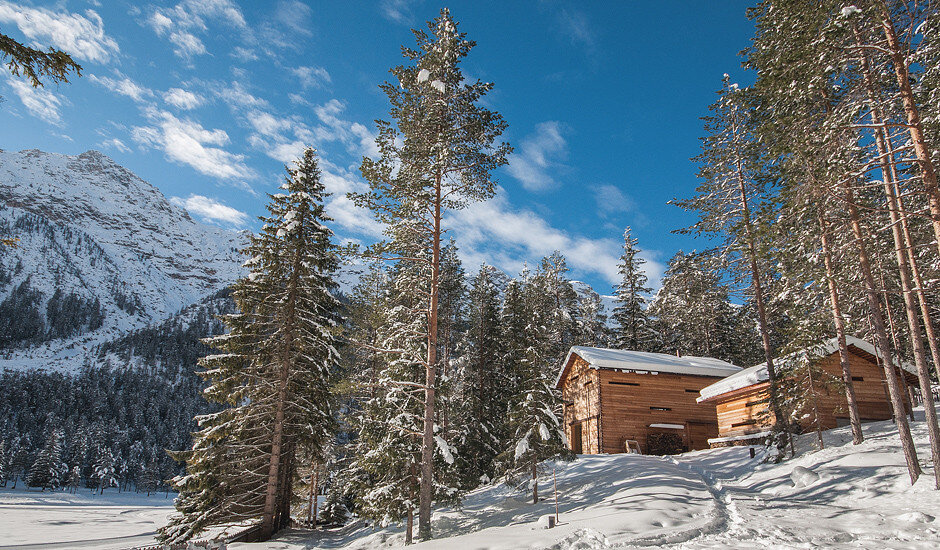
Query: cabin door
point(576, 439)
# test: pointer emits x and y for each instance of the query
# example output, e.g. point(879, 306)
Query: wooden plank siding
point(581, 395)
point(744, 411)
point(612, 407)
point(633, 401)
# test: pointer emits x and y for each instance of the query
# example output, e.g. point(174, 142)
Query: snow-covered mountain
point(100, 253)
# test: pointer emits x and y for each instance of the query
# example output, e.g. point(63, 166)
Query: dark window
point(858, 379)
point(752, 403)
point(660, 409)
point(745, 423)
point(691, 391)
point(624, 383)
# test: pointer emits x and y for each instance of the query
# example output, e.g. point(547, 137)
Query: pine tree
point(481, 392)
point(48, 468)
point(535, 429)
point(104, 469)
point(75, 479)
point(438, 155)
point(3, 463)
point(633, 326)
point(592, 329)
point(274, 372)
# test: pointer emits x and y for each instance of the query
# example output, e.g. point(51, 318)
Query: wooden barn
point(619, 400)
point(741, 399)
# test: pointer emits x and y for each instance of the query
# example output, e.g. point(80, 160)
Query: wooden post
point(555, 486)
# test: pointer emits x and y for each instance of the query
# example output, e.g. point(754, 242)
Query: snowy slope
point(714, 499)
point(91, 229)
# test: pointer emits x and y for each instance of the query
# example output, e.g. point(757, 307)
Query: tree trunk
point(535, 482)
point(901, 254)
point(427, 444)
point(914, 123)
point(878, 325)
point(314, 478)
point(839, 322)
point(316, 495)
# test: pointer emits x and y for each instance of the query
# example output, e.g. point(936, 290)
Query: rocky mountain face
point(100, 254)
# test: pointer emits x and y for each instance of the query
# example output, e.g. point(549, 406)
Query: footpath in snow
point(852, 497)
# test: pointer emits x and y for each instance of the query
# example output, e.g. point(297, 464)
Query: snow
point(34, 519)
point(758, 373)
point(423, 75)
point(644, 362)
point(861, 497)
point(849, 11)
point(843, 497)
point(438, 85)
point(668, 426)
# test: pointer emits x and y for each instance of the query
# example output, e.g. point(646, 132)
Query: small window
point(752, 403)
point(660, 409)
point(858, 379)
point(624, 383)
point(588, 383)
point(691, 391)
point(745, 423)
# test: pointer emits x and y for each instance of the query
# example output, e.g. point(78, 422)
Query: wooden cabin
point(742, 398)
point(619, 398)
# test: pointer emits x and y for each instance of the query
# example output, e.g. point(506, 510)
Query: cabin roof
point(758, 373)
point(641, 361)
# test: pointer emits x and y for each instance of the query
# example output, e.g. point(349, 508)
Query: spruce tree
point(633, 327)
point(103, 469)
point(48, 469)
point(436, 155)
point(273, 374)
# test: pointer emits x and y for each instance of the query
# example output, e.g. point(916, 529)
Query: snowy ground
point(32, 519)
point(719, 498)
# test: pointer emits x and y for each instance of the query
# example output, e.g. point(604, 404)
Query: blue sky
point(207, 99)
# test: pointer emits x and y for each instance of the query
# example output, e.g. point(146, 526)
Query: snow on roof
point(654, 363)
point(758, 373)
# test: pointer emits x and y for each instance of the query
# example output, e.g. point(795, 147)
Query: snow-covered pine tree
point(437, 155)
point(536, 433)
point(3, 463)
point(48, 469)
point(592, 329)
point(727, 201)
point(104, 469)
point(274, 371)
point(481, 391)
point(75, 479)
point(558, 309)
point(634, 330)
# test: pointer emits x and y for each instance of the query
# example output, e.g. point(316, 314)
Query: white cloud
point(115, 143)
point(80, 36)
point(211, 210)
point(236, 96)
point(123, 86)
point(187, 142)
point(312, 77)
point(575, 25)
point(399, 11)
point(507, 237)
point(540, 152)
point(190, 17)
point(40, 102)
point(611, 199)
point(182, 99)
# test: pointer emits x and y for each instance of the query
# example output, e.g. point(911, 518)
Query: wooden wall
point(579, 390)
point(741, 412)
point(630, 402)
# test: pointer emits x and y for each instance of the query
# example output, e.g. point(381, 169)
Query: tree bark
point(878, 325)
point(914, 124)
point(901, 254)
point(839, 321)
point(427, 444)
point(535, 482)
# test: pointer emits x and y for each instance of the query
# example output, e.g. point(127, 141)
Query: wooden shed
point(742, 398)
point(613, 397)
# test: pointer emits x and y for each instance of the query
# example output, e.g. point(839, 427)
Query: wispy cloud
point(508, 237)
point(211, 210)
point(575, 25)
point(312, 77)
point(115, 143)
point(40, 102)
point(182, 99)
point(82, 36)
point(123, 85)
point(540, 152)
point(187, 142)
point(182, 22)
point(610, 200)
point(399, 11)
